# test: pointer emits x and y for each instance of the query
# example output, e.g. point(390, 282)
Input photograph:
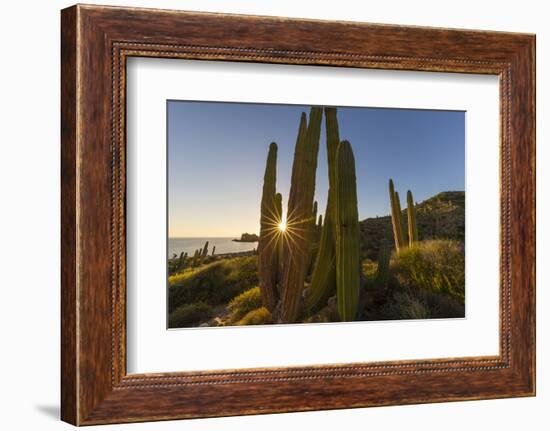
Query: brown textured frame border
point(95, 43)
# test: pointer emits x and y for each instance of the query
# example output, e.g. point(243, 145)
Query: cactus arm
point(300, 201)
point(404, 233)
point(411, 219)
point(397, 224)
point(323, 277)
point(348, 278)
point(267, 243)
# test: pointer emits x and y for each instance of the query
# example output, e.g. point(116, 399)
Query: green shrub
point(215, 283)
point(260, 316)
point(245, 302)
point(436, 265)
point(189, 315)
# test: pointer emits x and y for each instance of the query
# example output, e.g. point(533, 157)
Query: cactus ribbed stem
point(411, 219)
point(347, 234)
point(323, 278)
point(300, 201)
point(267, 244)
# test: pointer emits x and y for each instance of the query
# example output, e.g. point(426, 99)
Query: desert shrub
point(406, 306)
point(420, 304)
point(259, 316)
point(436, 265)
point(215, 283)
point(189, 315)
point(243, 303)
point(369, 269)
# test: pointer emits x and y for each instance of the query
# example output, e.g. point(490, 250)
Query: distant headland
point(247, 237)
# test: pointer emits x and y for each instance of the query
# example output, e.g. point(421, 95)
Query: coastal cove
point(223, 245)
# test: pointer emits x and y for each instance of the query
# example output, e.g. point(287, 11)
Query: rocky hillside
point(439, 217)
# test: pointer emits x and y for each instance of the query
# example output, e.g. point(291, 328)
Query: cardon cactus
point(411, 219)
point(323, 278)
point(213, 250)
point(396, 218)
point(384, 255)
point(267, 244)
point(348, 278)
point(299, 210)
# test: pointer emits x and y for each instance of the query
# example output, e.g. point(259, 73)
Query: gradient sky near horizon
point(217, 153)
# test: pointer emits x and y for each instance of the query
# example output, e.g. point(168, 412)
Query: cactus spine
point(267, 244)
point(411, 219)
point(300, 201)
point(347, 234)
point(323, 278)
point(396, 218)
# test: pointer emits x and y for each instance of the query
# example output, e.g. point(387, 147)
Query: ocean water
point(223, 245)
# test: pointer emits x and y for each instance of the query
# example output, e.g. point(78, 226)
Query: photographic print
point(283, 214)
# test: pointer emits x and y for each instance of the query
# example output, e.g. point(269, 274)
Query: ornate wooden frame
point(95, 42)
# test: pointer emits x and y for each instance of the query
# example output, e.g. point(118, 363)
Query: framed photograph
point(325, 214)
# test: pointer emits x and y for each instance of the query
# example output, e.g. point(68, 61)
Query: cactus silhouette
point(411, 219)
point(299, 209)
point(348, 278)
point(270, 217)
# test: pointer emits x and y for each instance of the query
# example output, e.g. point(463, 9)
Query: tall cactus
point(267, 244)
point(300, 201)
point(213, 250)
point(323, 278)
point(396, 218)
point(411, 219)
point(348, 279)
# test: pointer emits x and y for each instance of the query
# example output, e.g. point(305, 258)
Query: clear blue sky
point(217, 154)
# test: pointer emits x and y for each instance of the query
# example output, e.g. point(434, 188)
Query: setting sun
point(282, 226)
